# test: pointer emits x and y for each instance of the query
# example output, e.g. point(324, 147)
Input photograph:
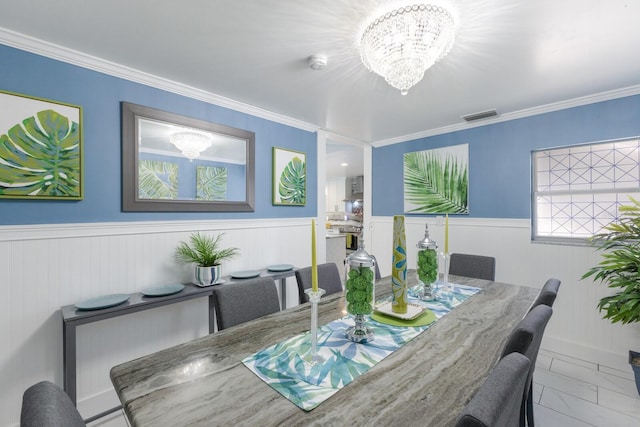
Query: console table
point(72, 318)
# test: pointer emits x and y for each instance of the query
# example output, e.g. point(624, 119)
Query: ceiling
point(510, 55)
point(343, 160)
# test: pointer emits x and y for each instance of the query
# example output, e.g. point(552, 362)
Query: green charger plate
point(424, 319)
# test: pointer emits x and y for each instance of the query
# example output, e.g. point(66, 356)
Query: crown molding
point(343, 139)
point(547, 108)
point(60, 53)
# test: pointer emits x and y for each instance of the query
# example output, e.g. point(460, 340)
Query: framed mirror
point(173, 163)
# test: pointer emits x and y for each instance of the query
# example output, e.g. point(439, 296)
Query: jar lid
point(360, 258)
point(427, 243)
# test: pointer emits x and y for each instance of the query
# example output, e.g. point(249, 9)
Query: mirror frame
point(130, 134)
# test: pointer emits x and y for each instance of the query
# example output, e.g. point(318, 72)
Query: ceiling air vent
point(480, 115)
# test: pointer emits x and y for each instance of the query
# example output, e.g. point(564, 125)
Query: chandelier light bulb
point(402, 44)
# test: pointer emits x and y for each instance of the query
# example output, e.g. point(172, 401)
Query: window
point(577, 190)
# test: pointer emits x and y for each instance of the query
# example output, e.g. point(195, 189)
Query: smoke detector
point(318, 62)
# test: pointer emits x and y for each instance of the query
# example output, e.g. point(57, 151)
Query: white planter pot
point(207, 276)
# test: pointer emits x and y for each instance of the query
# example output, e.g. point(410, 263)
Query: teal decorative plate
point(161, 291)
point(104, 301)
point(248, 274)
point(280, 267)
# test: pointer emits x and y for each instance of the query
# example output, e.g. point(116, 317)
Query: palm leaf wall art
point(157, 180)
point(211, 183)
point(289, 177)
point(436, 181)
point(40, 149)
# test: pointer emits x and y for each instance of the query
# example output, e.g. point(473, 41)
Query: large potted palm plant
point(619, 269)
point(204, 251)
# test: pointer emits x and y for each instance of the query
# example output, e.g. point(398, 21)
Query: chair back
point(526, 338)
point(328, 279)
point(548, 293)
point(476, 266)
point(240, 302)
point(497, 402)
point(377, 268)
point(46, 405)
point(527, 335)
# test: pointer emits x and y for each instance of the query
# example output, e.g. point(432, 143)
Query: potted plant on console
point(204, 251)
point(619, 269)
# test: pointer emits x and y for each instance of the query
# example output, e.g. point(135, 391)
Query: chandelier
point(191, 144)
point(402, 44)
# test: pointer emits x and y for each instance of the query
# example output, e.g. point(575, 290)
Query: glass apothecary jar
point(360, 293)
point(427, 265)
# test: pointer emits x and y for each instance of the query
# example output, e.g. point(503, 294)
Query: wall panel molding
point(576, 327)
point(461, 221)
point(44, 267)
point(9, 233)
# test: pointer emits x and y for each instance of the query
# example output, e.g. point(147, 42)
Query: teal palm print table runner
point(284, 368)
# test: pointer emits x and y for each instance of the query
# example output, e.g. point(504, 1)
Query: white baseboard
point(589, 354)
point(98, 403)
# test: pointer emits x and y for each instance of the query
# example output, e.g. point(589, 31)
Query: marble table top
point(426, 382)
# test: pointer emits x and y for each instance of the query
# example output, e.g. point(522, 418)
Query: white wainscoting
point(576, 327)
point(45, 267)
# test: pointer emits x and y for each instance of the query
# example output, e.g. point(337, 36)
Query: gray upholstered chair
point(526, 338)
point(46, 405)
point(548, 293)
point(377, 267)
point(476, 266)
point(240, 302)
point(328, 279)
point(497, 402)
point(547, 296)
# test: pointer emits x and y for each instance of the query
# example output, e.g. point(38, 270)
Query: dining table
point(426, 382)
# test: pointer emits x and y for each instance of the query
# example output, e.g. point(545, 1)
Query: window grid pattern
point(578, 190)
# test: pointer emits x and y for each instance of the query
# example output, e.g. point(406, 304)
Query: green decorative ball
point(427, 266)
point(359, 288)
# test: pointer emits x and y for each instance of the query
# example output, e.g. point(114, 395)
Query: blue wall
point(500, 155)
point(100, 96)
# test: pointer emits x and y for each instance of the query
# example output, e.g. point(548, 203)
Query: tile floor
point(571, 392)
point(568, 392)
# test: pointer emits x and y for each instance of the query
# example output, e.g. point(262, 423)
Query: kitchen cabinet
point(354, 187)
point(336, 252)
point(335, 194)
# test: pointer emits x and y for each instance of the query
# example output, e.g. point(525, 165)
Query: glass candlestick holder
point(314, 298)
point(445, 287)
